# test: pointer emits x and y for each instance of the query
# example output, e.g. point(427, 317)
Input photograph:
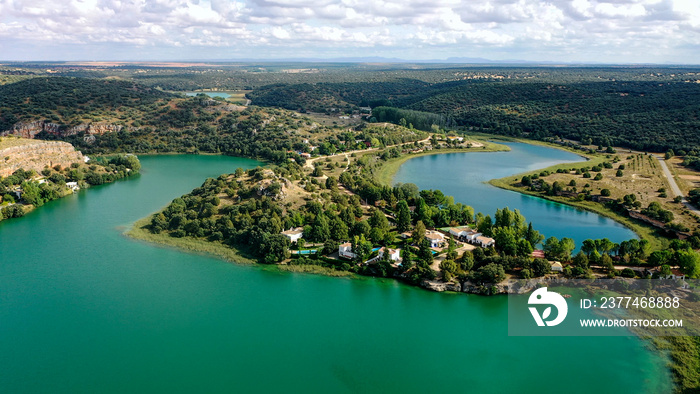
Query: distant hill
point(71, 101)
point(641, 108)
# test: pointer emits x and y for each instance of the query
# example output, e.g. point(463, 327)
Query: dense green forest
point(653, 108)
point(153, 121)
point(642, 114)
point(70, 101)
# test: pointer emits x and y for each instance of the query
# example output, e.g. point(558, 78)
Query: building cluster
point(466, 234)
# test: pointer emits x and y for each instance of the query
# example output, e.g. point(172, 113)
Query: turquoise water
point(210, 94)
point(463, 175)
point(84, 309)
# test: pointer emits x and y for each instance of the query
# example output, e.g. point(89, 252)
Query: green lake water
point(83, 309)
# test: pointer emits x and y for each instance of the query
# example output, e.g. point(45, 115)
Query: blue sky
point(611, 31)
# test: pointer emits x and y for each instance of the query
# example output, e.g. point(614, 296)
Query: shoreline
point(643, 232)
point(138, 232)
point(391, 168)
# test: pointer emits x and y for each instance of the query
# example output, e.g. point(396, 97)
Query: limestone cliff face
point(31, 129)
point(36, 156)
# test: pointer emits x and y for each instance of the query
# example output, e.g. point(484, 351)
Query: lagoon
point(464, 176)
point(83, 309)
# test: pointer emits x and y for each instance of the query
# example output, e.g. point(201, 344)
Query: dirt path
point(674, 186)
point(310, 162)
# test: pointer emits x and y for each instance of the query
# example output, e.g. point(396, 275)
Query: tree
point(665, 271)
point(158, 223)
point(607, 263)
point(379, 220)
point(338, 229)
point(418, 233)
point(361, 228)
point(361, 247)
point(588, 246)
point(484, 225)
point(320, 230)
point(581, 261)
point(403, 216)
point(605, 192)
point(451, 250)
point(275, 248)
point(467, 261)
point(506, 240)
point(533, 236)
point(406, 259)
point(689, 261)
point(567, 245)
point(490, 273)
point(540, 267)
point(331, 183)
point(448, 268)
point(524, 248)
point(628, 273)
point(425, 254)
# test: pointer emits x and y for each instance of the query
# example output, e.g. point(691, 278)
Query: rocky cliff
point(31, 129)
point(37, 155)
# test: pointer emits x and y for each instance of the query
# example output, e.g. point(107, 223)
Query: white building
point(473, 235)
point(73, 186)
point(436, 239)
point(485, 242)
point(556, 266)
point(459, 232)
point(394, 255)
point(345, 250)
point(294, 234)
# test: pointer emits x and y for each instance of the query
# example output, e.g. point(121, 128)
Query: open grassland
point(315, 269)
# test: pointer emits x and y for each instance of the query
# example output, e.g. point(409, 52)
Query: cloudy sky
point(613, 31)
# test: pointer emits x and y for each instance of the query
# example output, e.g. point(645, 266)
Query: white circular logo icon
point(543, 297)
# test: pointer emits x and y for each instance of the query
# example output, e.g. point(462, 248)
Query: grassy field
point(641, 176)
point(217, 249)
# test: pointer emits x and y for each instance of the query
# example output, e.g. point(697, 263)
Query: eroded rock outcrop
point(37, 155)
point(31, 129)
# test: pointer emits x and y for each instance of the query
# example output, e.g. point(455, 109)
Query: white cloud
point(547, 28)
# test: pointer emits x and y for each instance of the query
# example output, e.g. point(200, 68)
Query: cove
point(84, 309)
point(464, 176)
